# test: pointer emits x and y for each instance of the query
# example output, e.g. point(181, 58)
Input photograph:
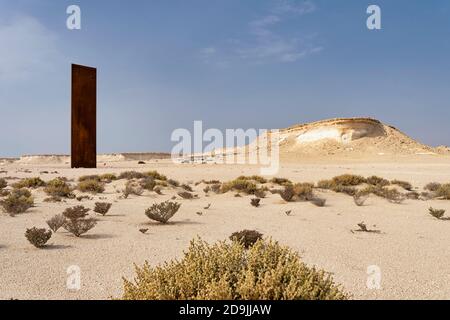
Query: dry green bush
point(38, 237)
point(318, 202)
point(29, 183)
point(186, 195)
point(245, 186)
point(351, 191)
point(326, 184)
point(133, 188)
point(102, 207)
point(18, 201)
point(255, 202)
point(58, 187)
point(95, 177)
point(254, 178)
point(147, 183)
point(77, 212)
point(211, 181)
point(281, 181)
point(404, 184)
point(303, 191)
point(377, 181)
point(91, 186)
point(156, 175)
point(432, 186)
point(56, 222)
point(223, 271)
point(246, 237)
point(162, 212)
point(287, 193)
point(108, 177)
point(443, 191)
point(349, 180)
point(3, 183)
point(392, 195)
point(129, 175)
point(437, 213)
point(216, 187)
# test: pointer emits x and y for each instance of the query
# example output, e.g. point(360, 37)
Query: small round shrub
point(38, 237)
point(18, 201)
point(3, 183)
point(29, 183)
point(91, 186)
point(229, 271)
point(58, 187)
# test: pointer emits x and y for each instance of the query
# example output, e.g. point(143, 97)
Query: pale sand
point(412, 250)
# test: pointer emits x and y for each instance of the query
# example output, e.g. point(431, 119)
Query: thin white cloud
point(28, 48)
point(264, 44)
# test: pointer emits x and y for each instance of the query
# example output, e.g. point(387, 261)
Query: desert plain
point(411, 248)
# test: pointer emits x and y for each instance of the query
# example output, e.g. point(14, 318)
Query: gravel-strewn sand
point(412, 250)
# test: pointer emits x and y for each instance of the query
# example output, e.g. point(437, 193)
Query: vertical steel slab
point(84, 117)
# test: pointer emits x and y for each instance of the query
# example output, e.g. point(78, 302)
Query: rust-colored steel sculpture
point(84, 117)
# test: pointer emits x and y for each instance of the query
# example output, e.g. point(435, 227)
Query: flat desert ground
point(412, 250)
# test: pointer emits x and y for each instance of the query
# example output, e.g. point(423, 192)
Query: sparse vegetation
point(163, 211)
point(32, 183)
point(260, 193)
point(443, 191)
point(3, 183)
point(216, 187)
point(92, 186)
point(102, 207)
point(404, 184)
point(287, 193)
point(349, 180)
point(147, 183)
point(377, 181)
point(108, 177)
point(246, 237)
point(56, 222)
point(18, 201)
point(187, 187)
point(432, 186)
point(245, 186)
point(303, 191)
point(173, 183)
point(265, 271)
point(255, 178)
point(363, 228)
point(133, 188)
point(392, 195)
point(58, 187)
point(76, 221)
point(255, 202)
point(89, 177)
point(186, 195)
point(437, 213)
point(38, 237)
point(281, 181)
point(156, 175)
point(129, 175)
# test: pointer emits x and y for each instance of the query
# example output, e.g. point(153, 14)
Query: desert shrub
point(4, 193)
point(89, 177)
point(173, 183)
point(185, 195)
point(246, 237)
point(76, 221)
point(349, 180)
point(156, 175)
point(280, 181)
point(18, 201)
point(377, 181)
point(133, 188)
point(404, 184)
point(216, 187)
point(157, 190)
point(255, 202)
point(303, 191)
point(129, 175)
point(326, 184)
point(38, 237)
point(211, 181)
point(79, 227)
point(287, 193)
point(413, 195)
point(147, 183)
point(437, 213)
point(255, 178)
point(108, 177)
point(392, 195)
point(360, 198)
point(58, 187)
point(223, 271)
point(187, 187)
point(3, 183)
point(56, 222)
point(432, 186)
point(29, 183)
point(91, 186)
point(444, 191)
point(318, 202)
point(53, 199)
point(163, 211)
point(102, 207)
point(206, 189)
point(348, 190)
point(260, 193)
point(246, 186)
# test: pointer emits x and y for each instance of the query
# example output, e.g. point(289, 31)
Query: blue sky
point(231, 63)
